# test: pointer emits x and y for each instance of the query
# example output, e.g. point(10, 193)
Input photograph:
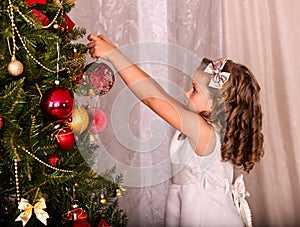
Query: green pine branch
point(27, 138)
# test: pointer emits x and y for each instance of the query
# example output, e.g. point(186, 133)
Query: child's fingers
point(93, 54)
point(92, 37)
point(106, 39)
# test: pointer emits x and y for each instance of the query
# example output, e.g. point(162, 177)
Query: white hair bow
point(215, 68)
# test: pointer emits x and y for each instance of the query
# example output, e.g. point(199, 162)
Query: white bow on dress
point(239, 196)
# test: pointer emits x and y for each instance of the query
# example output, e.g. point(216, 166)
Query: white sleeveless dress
point(201, 190)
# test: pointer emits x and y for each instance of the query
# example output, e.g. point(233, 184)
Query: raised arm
point(152, 94)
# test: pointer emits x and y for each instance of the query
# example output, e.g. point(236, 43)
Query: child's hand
point(100, 46)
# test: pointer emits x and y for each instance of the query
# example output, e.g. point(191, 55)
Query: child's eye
point(194, 89)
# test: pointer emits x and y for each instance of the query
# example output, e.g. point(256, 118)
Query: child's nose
point(188, 92)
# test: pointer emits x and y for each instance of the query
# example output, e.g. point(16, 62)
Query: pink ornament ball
point(99, 120)
point(101, 77)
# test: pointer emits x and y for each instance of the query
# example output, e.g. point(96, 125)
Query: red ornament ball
point(54, 159)
point(65, 138)
point(99, 120)
point(101, 76)
point(57, 103)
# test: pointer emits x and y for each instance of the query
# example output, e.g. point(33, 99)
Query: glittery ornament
point(100, 76)
point(57, 103)
point(15, 67)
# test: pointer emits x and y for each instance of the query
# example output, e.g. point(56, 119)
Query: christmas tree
point(45, 178)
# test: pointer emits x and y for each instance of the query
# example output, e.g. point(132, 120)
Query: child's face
point(198, 96)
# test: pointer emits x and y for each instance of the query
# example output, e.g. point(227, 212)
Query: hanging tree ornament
point(54, 159)
point(32, 23)
point(57, 103)
point(99, 121)
point(56, 26)
point(65, 138)
point(120, 191)
point(100, 76)
point(80, 120)
point(102, 199)
point(15, 67)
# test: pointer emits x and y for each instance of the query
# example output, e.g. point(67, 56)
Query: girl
point(218, 128)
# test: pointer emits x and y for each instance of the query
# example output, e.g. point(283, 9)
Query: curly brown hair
point(236, 113)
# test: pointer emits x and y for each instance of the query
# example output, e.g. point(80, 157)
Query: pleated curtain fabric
point(168, 39)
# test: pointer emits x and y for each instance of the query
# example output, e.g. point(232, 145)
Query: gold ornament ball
point(80, 120)
point(102, 199)
point(15, 67)
point(56, 26)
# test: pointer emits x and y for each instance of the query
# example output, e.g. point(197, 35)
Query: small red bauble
point(54, 159)
point(101, 76)
point(57, 103)
point(99, 120)
point(1, 122)
point(65, 138)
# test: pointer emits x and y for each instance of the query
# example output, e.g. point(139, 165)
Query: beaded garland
point(10, 10)
point(15, 31)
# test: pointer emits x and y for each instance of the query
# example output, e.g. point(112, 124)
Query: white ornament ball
point(15, 67)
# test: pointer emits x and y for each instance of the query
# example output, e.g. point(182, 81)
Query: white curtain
point(263, 35)
point(168, 39)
